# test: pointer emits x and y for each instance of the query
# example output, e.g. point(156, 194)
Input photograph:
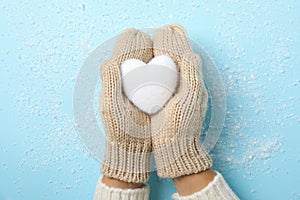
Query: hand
point(176, 129)
point(127, 129)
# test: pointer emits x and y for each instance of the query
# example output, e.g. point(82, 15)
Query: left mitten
point(127, 129)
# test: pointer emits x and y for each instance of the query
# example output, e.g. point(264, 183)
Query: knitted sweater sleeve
point(104, 192)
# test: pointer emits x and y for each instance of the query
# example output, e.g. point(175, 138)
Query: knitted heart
point(149, 86)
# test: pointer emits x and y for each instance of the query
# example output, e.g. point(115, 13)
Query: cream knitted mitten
point(127, 129)
point(176, 129)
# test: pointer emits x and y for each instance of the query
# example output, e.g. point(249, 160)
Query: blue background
point(255, 45)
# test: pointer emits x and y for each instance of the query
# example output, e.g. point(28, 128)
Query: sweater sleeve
point(104, 192)
point(218, 189)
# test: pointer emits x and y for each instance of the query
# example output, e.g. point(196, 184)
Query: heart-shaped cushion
point(149, 86)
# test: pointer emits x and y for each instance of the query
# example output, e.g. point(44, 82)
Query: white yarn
point(103, 192)
point(149, 90)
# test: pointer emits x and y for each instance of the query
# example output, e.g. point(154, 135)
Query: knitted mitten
point(176, 129)
point(127, 129)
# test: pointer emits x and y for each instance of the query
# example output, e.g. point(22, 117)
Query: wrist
point(116, 183)
point(189, 184)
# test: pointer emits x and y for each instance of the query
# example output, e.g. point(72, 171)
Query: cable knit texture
point(127, 129)
point(218, 189)
point(176, 129)
point(103, 192)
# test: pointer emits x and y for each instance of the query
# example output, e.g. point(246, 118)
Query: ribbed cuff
point(218, 189)
point(104, 192)
point(127, 165)
point(174, 159)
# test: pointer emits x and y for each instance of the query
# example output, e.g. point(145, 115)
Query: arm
point(126, 163)
point(116, 183)
point(187, 185)
point(176, 129)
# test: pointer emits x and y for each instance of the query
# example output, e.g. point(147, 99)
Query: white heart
point(149, 86)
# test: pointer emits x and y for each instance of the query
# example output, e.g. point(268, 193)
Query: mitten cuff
point(131, 165)
point(178, 158)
